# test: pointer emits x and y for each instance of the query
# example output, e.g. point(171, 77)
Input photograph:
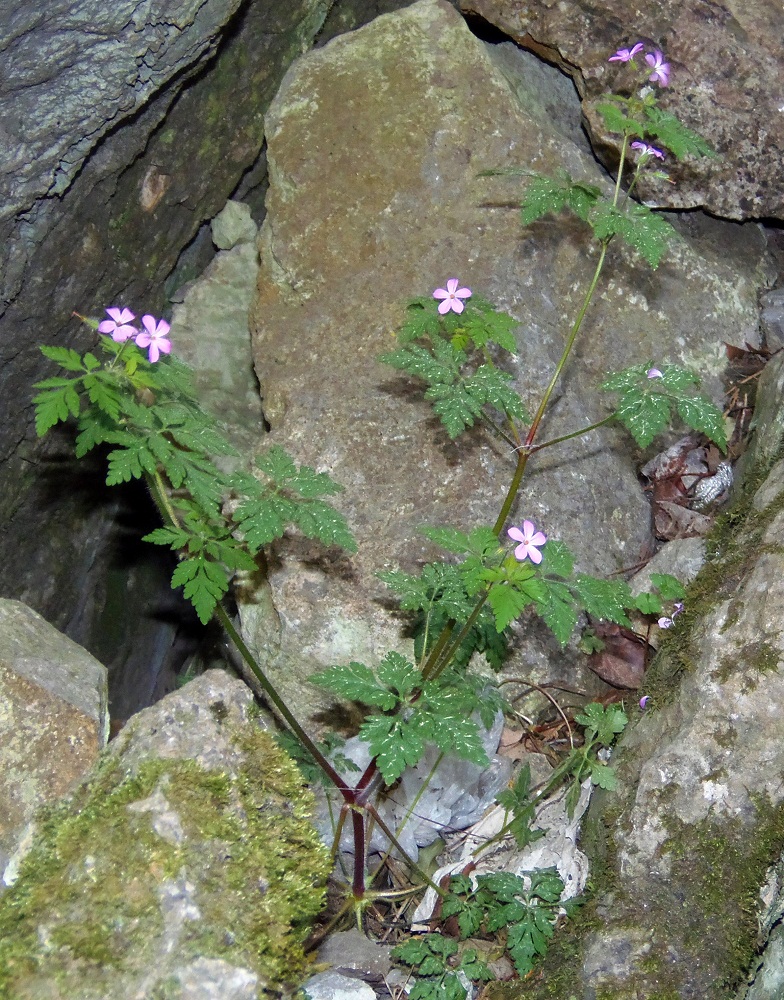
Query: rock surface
point(184, 867)
point(374, 145)
point(53, 723)
point(726, 70)
point(681, 851)
point(121, 132)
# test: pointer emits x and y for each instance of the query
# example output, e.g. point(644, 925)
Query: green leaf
point(605, 723)
point(394, 743)
point(422, 321)
point(612, 110)
point(317, 519)
point(204, 583)
point(556, 609)
point(488, 385)
point(676, 136)
point(548, 194)
point(484, 325)
point(473, 968)
point(457, 734)
point(703, 416)
point(670, 588)
point(604, 776)
point(130, 463)
point(637, 225)
point(448, 538)
point(644, 414)
point(507, 603)
point(607, 599)
point(103, 393)
point(264, 519)
point(175, 538)
point(398, 674)
point(557, 559)
point(629, 378)
point(204, 439)
point(357, 683)
point(648, 604)
point(65, 358)
point(55, 405)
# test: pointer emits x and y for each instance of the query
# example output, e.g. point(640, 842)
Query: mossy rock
point(186, 861)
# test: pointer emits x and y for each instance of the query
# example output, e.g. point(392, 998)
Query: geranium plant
point(135, 398)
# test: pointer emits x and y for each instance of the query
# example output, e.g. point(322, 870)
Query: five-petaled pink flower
point(154, 336)
point(119, 325)
point(646, 150)
point(530, 540)
point(626, 55)
point(654, 373)
point(660, 70)
point(452, 296)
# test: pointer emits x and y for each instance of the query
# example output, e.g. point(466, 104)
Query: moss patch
point(88, 905)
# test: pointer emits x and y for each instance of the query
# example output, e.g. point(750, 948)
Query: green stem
point(277, 701)
point(161, 498)
point(439, 667)
point(574, 434)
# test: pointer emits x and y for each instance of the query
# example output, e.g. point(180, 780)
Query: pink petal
point(149, 323)
point(516, 534)
point(456, 305)
point(440, 293)
point(445, 306)
point(538, 539)
point(451, 285)
point(464, 293)
point(534, 555)
point(143, 340)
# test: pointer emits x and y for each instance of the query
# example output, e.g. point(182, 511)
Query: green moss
point(94, 878)
point(718, 866)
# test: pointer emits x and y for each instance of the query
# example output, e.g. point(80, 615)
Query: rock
point(53, 723)
point(121, 132)
point(184, 866)
point(374, 145)
point(334, 986)
point(233, 225)
point(772, 318)
point(210, 331)
point(689, 838)
point(735, 101)
point(353, 950)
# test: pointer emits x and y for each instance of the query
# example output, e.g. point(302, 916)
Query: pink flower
point(654, 373)
point(646, 150)
point(660, 69)
point(644, 701)
point(530, 540)
point(154, 337)
point(626, 55)
point(119, 324)
point(451, 296)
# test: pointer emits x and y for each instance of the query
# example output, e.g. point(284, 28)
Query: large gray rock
point(185, 867)
point(726, 70)
point(53, 722)
point(374, 145)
